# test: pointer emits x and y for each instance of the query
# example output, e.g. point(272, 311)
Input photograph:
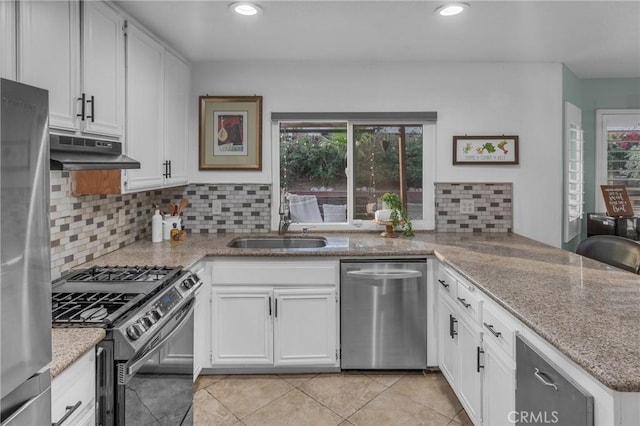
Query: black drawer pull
point(70, 409)
point(464, 303)
point(480, 351)
point(444, 283)
point(452, 322)
point(490, 328)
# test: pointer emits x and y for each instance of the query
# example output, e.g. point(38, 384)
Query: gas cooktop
point(98, 296)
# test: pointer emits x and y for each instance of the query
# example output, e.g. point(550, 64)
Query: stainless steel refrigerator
point(25, 274)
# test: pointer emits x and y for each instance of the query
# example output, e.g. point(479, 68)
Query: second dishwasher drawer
point(543, 391)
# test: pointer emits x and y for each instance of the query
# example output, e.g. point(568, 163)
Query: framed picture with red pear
point(230, 133)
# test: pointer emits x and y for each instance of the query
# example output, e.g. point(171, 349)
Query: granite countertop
point(587, 310)
point(69, 344)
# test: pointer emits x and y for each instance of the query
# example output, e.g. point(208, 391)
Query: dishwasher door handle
point(397, 274)
point(541, 377)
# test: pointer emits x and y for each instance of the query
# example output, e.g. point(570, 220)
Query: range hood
point(74, 153)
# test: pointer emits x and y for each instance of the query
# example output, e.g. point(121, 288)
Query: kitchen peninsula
point(585, 310)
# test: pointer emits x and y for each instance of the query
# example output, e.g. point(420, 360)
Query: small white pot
point(383, 215)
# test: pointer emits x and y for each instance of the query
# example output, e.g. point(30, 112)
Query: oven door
point(153, 396)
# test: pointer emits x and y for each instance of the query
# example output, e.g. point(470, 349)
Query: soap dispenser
point(156, 227)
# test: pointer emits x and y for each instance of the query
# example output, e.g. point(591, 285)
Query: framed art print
point(489, 150)
point(230, 133)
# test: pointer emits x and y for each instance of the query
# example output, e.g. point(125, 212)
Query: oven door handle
point(136, 364)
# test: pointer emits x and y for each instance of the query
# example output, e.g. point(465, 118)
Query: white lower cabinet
point(447, 340)
point(73, 393)
point(304, 327)
point(469, 369)
point(256, 326)
point(274, 314)
point(475, 348)
point(200, 329)
point(241, 326)
point(498, 385)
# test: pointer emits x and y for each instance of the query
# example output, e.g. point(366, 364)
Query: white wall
point(470, 98)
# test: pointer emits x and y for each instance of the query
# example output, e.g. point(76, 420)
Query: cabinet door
point(176, 97)
point(499, 390)
point(103, 68)
point(200, 330)
point(241, 326)
point(49, 46)
point(75, 387)
point(8, 39)
point(305, 327)
point(448, 340)
point(469, 376)
point(145, 109)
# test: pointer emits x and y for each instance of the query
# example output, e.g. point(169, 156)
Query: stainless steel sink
point(278, 242)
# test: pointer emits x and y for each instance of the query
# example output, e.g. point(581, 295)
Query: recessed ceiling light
point(451, 9)
point(246, 9)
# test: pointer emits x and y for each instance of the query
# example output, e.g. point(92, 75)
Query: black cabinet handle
point(444, 283)
point(464, 303)
point(276, 300)
point(490, 328)
point(165, 164)
point(93, 104)
point(82, 100)
point(269, 305)
point(480, 351)
point(169, 168)
point(452, 322)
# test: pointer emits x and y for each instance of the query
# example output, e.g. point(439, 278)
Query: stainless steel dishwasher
point(383, 310)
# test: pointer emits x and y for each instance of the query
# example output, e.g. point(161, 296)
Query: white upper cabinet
point(157, 105)
point(145, 109)
point(82, 66)
point(176, 103)
point(8, 39)
point(103, 68)
point(49, 56)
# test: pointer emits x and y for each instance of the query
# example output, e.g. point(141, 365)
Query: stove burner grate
point(121, 273)
point(90, 308)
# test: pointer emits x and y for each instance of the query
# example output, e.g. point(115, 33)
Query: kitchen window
point(332, 169)
point(618, 153)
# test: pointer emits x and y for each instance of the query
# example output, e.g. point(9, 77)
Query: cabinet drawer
point(260, 272)
point(498, 328)
point(446, 283)
point(468, 300)
point(74, 385)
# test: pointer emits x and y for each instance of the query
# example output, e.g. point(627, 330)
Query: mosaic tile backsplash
point(88, 226)
point(245, 208)
point(493, 207)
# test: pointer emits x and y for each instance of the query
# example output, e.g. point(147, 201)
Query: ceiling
point(595, 39)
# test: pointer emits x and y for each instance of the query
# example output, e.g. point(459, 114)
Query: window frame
point(428, 175)
point(603, 118)
point(574, 138)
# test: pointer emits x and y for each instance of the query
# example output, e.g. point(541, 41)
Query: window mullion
point(349, 172)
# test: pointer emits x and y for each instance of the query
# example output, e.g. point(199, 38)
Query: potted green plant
point(398, 213)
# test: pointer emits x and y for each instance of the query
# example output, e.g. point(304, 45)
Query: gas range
point(141, 308)
point(131, 302)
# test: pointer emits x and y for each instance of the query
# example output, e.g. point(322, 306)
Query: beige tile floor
point(344, 399)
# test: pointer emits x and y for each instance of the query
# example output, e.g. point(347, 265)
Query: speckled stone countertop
point(587, 310)
point(69, 344)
